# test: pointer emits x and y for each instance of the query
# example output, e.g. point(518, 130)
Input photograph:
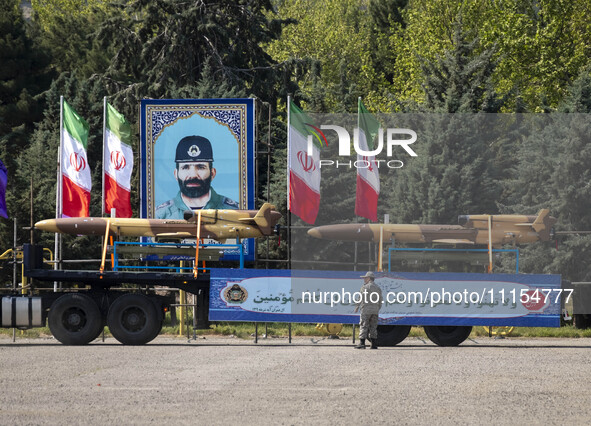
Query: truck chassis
point(77, 316)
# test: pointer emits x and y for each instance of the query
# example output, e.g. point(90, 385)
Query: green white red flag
point(117, 163)
point(75, 172)
point(368, 178)
point(303, 168)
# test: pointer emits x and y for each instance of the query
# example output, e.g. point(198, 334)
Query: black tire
point(581, 321)
point(133, 319)
point(100, 330)
point(75, 319)
point(157, 330)
point(391, 335)
point(160, 313)
point(447, 335)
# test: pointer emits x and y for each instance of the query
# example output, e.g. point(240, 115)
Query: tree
point(452, 173)
point(335, 34)
point(539, 45)
point(553, 172)
point(23, 75)
point(164, 46)
point(387, 23)
point(571, 177)
point(39, 159)
point(66, 30)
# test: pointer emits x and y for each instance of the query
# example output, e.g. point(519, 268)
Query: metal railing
point(164, 246)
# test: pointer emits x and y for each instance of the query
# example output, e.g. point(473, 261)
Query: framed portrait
point(175, 133)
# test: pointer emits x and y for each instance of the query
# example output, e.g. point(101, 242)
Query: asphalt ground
point(312, 380)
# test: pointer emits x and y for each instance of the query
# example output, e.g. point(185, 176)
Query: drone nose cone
point(48, 225)
point(314, 232)
point(328, 232)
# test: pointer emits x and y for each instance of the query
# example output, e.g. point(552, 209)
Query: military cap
point(192, 149)
point(368, 275)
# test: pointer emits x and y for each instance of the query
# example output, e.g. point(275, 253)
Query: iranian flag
point(117, 163)
point(303, 169)
point(75, 172)
point(368, 178)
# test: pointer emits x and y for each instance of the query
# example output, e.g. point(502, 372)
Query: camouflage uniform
point(368, 320)
point(174, 209)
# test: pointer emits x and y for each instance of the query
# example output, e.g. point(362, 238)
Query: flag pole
point(288, 183)
point(288, 151)
point(104, 138)
point(58, 192)
point(356, 217)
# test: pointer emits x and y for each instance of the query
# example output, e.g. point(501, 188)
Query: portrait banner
point(197, 154)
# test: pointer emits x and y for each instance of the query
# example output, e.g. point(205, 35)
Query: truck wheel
point(391, 335)
point(100, 330)
point(157, 330)
point(133, 319)
point(159, 322)
point(447, 335)
point(75, 319)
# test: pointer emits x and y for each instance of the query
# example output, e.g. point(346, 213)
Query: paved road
point(221, 380)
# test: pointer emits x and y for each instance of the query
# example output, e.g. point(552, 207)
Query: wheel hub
point(74, 319)
point(133, 319)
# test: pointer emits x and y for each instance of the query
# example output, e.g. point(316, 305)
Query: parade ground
point(224, 380)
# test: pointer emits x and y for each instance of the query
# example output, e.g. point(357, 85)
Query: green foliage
point(541, 46)
point(461, 79)
point(199, 49)
point(280, 330)
point(453, 172)
point(333, 33)
point(48, 12)
point(34, 161)
point(566, 331)
point(386, 22)
point(23, 74)
point(553, 172)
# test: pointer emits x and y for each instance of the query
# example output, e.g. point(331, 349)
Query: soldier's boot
point(374, 343)
point(361, 344)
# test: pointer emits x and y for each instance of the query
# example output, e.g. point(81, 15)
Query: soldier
point(370, 304)
point(194, 172)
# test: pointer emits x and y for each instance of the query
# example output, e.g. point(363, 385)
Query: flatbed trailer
point(128, 304)
point(77, 315)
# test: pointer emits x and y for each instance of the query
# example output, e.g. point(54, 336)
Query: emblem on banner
point(194, 151)
point(235, 294)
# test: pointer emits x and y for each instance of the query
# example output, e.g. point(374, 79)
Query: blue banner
point(408, 298)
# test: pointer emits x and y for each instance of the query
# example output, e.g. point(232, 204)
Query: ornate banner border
point(238, 115)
